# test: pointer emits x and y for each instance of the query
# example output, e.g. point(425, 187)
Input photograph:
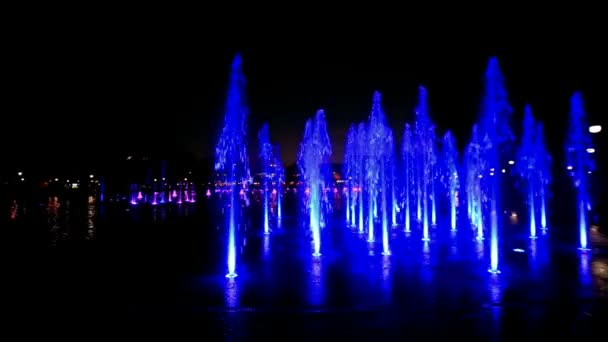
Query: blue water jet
point(408, 156)
point(350, 166)
point(231, 152)
point(495, 115)
point(315, 149)
point(580, 163)
point(361, 174)
point(279, 172)
point(527, 166)
point(544, 172)
point(266, 159)
point(450, 160)
point(425, 156)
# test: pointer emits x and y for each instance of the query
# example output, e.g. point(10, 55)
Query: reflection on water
point(91, 217)
point(231, 293)
point(316, 289)
point(584, 269)
point(386, 278)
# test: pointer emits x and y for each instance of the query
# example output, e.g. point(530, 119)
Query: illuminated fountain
point(473, 167)
point(231, 153)
point(494, 124)
point(280, 178)
point(526, 164)
point(580, 163)
point(544, 173)
point(408, 155)
point(314, 152)
point(450, 161)
point(350, 167)
point(361, 174)
point(266, 159)
point(424, 137)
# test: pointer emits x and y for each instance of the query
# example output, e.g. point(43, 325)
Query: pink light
point(208, 193)
point(307, 191)
point(335, 190)
point(139, 196)
point(241, 192)
point(174, 193)
point(274, 191)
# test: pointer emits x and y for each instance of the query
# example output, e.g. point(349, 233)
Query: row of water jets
point(395, 188)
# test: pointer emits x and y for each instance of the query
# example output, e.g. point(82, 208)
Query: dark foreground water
point(105, 268)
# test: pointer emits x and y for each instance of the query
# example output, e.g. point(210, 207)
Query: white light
point(22, 179)
point(56, 179)
point(19, 173)
point(492, 170)
point(590, 150)
point(91, 176)
point(569, 167)
point(504, 171)
point(156, 180)
point(595, 129)
point(185, 179)
point(491, 173)
point(163, 178)
point(511, 162)
point(589, 172)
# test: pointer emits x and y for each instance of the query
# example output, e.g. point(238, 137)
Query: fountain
point(580, 163)
point(408, 154)
point(527, 166)
point(314, 151)
point(350, 165)
point(474, 166)
point(424, 132)
point(361, 175)
point(266, 159)
point(379, 139)
point(544, 173)
point(231, 152)
point(494, 124)
point(280, 178)
point(450, 160)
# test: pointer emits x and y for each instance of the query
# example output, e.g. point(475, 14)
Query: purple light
point(139, 196)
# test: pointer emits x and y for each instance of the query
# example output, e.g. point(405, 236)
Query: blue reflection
point(316, 289)
point(231, 293)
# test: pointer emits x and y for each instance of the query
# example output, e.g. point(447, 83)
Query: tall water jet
point(378, 136)
point(408, 167)
point(231, 152)
point(495, 115)
point(266, 159)
point(425, 133)
point(580, 162)
point(544, 172)
point(474, 166)
point(280, 178)
point(361, 174)
point(392, 164)
point(314, 152)
point(527, 166)
point(386, 162)
point(350, 165)
point(450, 159)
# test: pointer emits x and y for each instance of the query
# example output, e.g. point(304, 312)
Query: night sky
point(97, 89)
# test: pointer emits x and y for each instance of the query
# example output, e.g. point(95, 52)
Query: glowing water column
point(361, 175)
point(425, 152)
point(495, 115)
point(544, 172)
point(231, 153)
point(315, 149)
point(350, 164)
point(450, 158)
point(527, 165)
point(266, 159)
point(280, 177)
point(580, 163)
point(408, 165)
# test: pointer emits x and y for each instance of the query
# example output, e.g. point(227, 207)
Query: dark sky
point(104, 86)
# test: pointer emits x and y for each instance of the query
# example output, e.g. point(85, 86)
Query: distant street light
point(595, 129)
